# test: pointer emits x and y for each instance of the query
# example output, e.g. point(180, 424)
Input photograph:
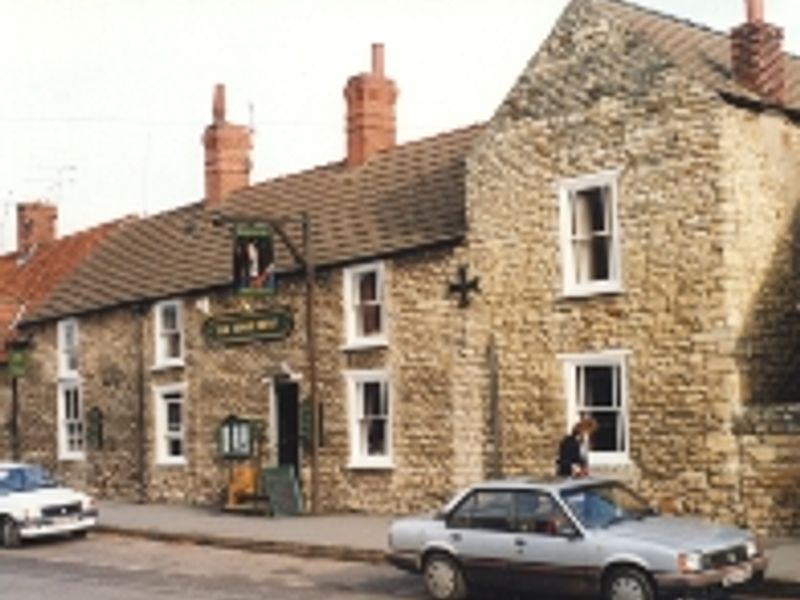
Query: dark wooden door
point(288, 425)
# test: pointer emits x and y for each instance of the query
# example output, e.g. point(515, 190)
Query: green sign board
point(239, 328)
point(17, 363)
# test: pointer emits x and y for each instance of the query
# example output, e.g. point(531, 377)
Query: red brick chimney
point(227, 153)
point(36, 225)
point(370, 112)
point(757, 54)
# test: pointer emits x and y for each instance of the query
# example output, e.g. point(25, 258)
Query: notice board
point(280, 486)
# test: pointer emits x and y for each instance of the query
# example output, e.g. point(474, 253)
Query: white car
point(33, 505)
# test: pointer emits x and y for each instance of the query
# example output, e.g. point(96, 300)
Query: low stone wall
point(769, 439)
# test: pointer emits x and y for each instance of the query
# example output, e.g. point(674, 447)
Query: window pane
point(600, 257)
point(376, 437)
point(461, 517)
point(370, 319)
point(492, 510)
point(72, 361)
point(169, 317)
point(174, 419)
point(175, 447)
point(374, 404)
point(173, 345)
point(367, 287)
point(607, 438)
point(599, 387)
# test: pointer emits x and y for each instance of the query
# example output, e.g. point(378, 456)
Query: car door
point(480, 532)
point(550, 554)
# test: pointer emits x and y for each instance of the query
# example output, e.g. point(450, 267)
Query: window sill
point(383, 464)
point(606, 289)
point(166, 366)
point(609, 461)
point(77, 457)
point(366, 344)
point(173, 462)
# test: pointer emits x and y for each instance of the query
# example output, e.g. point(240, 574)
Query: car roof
point(550, 484)
point(14, 465)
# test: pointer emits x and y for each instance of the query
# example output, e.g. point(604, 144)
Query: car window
point(484, 509)
point(24, 479)
point(538, 512)
point(604, 505)
point(11, 480)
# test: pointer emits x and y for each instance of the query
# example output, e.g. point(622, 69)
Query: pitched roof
point(407, 197)
point(701, 52)
point(410, 196)
point(25, 281)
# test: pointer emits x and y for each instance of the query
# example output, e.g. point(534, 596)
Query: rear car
point(586, 537)
point(33, 505)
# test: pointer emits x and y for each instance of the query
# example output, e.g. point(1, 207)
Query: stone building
point(27, 276)
point(631, 214)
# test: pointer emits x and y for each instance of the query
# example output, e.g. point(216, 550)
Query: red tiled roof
point(26, 281)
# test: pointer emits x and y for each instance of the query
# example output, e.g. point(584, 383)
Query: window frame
point(350, 275)
point(359, 459)
point(609, 358)
point(65, 451)
point(64, 370)
point(161, 361)
point(571, 288)
point(160, 393)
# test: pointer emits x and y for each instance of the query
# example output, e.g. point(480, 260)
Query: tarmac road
point(105, 567)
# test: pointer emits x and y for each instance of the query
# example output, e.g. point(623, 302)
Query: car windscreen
point(603, 505)
point(24, 479)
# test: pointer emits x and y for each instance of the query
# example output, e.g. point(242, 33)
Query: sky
point(103, 102)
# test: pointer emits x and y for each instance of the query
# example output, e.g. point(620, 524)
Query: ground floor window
point(70, 421)
point(370, 419)
point(596, 386)
point(170, 424)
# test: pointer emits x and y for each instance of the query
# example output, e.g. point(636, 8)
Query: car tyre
point(80, 533)
point(628, 584)
point(444, 578)
point(10, 535)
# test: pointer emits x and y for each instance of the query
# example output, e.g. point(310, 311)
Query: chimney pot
point(218, 107)
point(377, 60)
point(755, 11)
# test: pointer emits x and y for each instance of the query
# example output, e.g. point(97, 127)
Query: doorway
point(286, 417)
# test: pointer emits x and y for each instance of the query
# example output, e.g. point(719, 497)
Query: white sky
point(103, 102)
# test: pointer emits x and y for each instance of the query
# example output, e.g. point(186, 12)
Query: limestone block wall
point(117, 368)
point(598, 98)
point(770, 444)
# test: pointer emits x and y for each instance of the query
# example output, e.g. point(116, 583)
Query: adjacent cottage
point(620, 239)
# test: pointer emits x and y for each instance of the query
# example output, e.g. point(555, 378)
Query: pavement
point(354, 537)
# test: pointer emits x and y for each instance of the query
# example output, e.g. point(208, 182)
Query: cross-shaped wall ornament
point(463, 286)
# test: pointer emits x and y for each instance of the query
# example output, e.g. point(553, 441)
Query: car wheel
point(443, 578)
point(10, 533)
point(628, 584)
point(80, 534)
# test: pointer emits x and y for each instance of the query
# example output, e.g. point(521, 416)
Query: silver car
point(573, 536)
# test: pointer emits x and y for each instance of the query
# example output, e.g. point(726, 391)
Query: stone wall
point(770, 446)
point(598, 98)
point(116, 364)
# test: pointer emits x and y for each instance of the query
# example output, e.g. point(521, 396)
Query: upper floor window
point(596, 386)
point(169, 333)
point(590, 242)
point(365, 305)
point(370, 419)
point(170, 424)
point(68, 348)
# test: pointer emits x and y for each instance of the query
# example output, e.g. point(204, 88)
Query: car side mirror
point(570, 533)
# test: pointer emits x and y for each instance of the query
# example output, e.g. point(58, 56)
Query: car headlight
point(690, 562)
point(752, 548)
point(31, 513)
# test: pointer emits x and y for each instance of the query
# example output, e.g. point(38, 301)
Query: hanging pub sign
point(253, 259)
point(274, 324)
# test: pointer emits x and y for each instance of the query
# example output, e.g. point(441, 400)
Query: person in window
point(573, 452)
